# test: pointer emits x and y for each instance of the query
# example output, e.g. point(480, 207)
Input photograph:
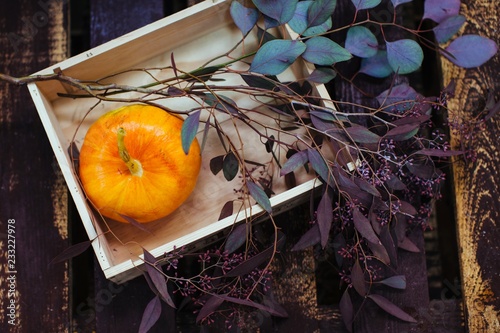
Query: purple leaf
point(365, 4)
point(275, 56)
point(376, 66)
point(71, 252)
point(230, 166)
point(157, 278)
point(253, 262)
point(310, 238)
point(272, 308)
point(407, 208)
point(216, 164)
point(398, 98)
point(322, 75)
point(491, 107)
point(324, 52)
point(395, 183)
point(448, 28)
point(439, 10)
point(226, 211)
point(347, 310)
point(279, 10)
point(361, 134)
point(380, 252)
point(367, 187)
point(403, 132)
point(397, 282)
point(245, 18)
point(388, 242)
point(361, 42)
point(294, 162)
point(319, 165)
point(151, 315)
point(174, 91)
point(408, 245)
point(470, 51)
point(300, 22)
point(259, 195)
point(320, 11)
point(404, 55)
point(424, 171)
point(439, 152)
point(189, 130)
point(364, 227)
point(236, 238)
point(210, 306)
point(391, 308)
point(358, 279)
point(325, 217)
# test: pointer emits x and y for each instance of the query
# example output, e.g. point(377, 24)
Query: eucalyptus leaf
point(361, 42)
point(245, 18)
point(300, 21)
point(151, 315)
point(448, 28)
point(325, 217)
point(320, 11)
point(260, 196)
point(391, 308)
point(294, 162)
point(365, 4)
point(230, 166)
point(404, 55)
point(439, 10)
point(469, 51)
point(322, 75)
point(276, 55)
point(279, 10)
point(396, 3)
point(189, 130)
point(377, 65)
point(324, 51)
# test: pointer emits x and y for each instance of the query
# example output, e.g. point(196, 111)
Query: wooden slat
point(477, 183)
point(32, 37)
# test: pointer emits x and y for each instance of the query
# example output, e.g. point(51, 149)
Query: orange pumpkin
point(132, 163)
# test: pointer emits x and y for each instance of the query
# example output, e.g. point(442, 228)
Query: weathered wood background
point(75, 297)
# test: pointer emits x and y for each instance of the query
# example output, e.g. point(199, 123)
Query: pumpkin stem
point(133, 165)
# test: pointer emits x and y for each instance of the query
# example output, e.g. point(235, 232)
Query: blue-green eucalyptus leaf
point(469, 51)
point(279, 10)
point(299, 23)
point(324, 51)
point(376, 66)
point(448, 28)
point(404, 55)
point(277, 55)
point(365, 4)
point(260, 196)
point(189, 130)
point(361, 42)
point(320, 11)
point(245, 18)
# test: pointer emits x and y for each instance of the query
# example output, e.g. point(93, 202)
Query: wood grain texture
point(32, 36)
point(477, 183)
point(415, 298)
point(111, 19)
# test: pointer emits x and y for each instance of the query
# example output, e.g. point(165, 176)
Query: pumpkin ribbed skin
point(153, 137)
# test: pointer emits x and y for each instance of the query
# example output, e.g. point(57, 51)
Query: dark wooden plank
point(477, 182)
point(414, 298)
point(34, 198)
point(113, 18)
point(120, 308)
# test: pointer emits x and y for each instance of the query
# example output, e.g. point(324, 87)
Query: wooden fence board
point(477, 183)
point(32, 37)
